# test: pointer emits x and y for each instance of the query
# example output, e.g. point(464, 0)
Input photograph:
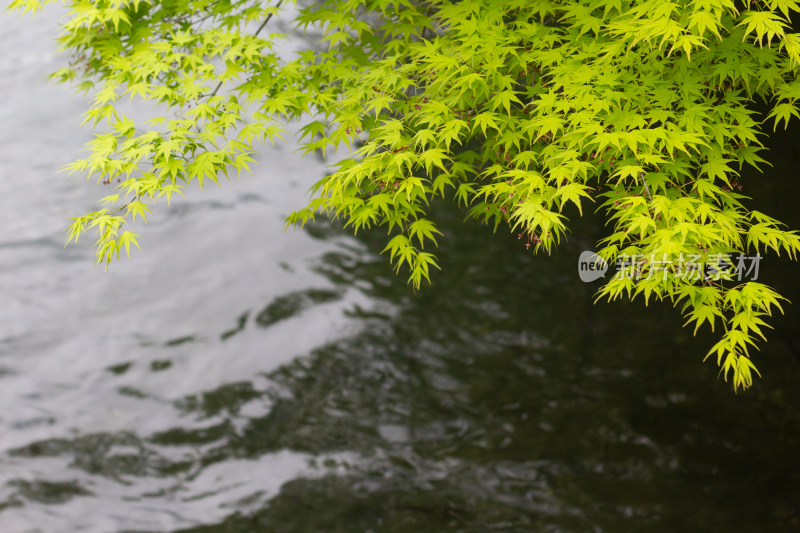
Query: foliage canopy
point(517, 109)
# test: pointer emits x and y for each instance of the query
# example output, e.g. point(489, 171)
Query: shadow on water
point(501, 399)
point(291, 305)
point(498, 399)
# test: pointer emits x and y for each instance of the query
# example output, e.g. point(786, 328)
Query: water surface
point(232, 377)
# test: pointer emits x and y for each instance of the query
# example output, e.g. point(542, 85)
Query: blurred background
point(236, 377)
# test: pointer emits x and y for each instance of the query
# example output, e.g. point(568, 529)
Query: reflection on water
point(495, 400)
point(233, 378)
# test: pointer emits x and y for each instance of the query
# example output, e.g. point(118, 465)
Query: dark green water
point(234, 379)
point(501, 399)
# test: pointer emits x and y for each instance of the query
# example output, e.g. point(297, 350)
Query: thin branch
point(267, 19)
point(646, 188)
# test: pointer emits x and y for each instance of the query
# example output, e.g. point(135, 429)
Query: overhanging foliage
point(515, 109)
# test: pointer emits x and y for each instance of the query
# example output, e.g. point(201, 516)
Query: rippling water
point(231, 377)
